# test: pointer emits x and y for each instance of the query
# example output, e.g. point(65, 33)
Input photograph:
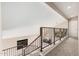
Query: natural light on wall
point(23, 19)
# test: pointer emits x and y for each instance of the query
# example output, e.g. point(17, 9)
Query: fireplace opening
point(22, 43)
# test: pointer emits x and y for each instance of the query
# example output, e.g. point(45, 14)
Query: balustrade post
point(41, 37)
point(54, 35)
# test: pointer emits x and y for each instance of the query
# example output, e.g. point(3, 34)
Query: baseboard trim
point(73, 37)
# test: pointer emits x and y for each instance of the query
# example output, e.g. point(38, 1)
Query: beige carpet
point(67, 48)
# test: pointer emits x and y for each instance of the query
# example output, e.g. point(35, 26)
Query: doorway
point(73, 27)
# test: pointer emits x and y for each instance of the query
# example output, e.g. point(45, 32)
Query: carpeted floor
point(68, 47)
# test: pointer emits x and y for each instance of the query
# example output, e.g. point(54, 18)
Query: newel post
point(41, 37)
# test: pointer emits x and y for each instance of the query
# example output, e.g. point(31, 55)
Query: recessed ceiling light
point(68, 7)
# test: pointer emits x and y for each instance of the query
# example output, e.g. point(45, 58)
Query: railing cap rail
point(54, 27)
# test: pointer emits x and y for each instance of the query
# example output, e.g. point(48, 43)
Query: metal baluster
point(27, 50)
point(22, 52)
point(60, 34)
point(9, 52)
point(54, 35)
point(4, 52)
point(13, 51)
point(35, 44)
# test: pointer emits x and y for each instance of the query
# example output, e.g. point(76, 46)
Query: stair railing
point(48, 36)
point(12, 51)
point(55, 34)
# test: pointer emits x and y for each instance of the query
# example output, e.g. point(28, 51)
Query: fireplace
point(22, 43)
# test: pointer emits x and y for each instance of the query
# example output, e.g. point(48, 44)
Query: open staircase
point(46, 38)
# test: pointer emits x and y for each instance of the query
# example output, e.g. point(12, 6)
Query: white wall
point(64, 24)
point(0, 20)
point(0, 29)
point(73, 27)
point(78, 28)
point(25, 20)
